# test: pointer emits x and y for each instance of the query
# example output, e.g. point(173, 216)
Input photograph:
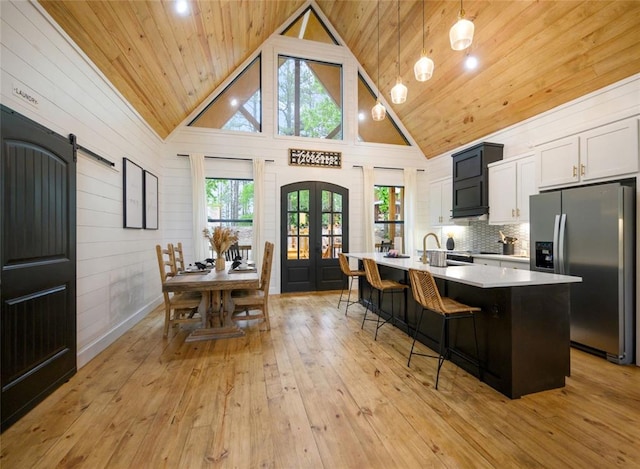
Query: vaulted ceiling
point(534, 55)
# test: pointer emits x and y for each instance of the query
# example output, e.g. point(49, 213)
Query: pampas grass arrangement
point(221, 239)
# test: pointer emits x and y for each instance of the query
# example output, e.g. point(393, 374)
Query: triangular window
point(309, 26)
point(238, 106)
point(384, 131)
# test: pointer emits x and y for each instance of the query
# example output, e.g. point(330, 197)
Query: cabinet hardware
point(575, 171)
point(518, 212)
point(513, 213)
point(582, 169)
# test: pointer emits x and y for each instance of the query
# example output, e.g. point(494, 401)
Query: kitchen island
point(523, 328)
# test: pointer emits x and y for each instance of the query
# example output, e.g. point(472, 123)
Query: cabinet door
point(526, 187)
point(557, 163)
point(435, 204)
point(447, 201)
point(610, 150)
point(502, 193)
point(440, 196)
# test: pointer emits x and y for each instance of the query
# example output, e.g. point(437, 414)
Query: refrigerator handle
point(556, 236)
point(563, 223)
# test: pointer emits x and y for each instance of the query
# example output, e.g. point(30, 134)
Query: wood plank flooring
point(317, 392)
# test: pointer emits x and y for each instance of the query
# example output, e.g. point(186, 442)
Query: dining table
point(216, 307)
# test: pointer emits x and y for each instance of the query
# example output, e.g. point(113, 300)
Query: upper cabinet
point(470, 177)
point(440, 202)
point(511, 182)
point(604, 152)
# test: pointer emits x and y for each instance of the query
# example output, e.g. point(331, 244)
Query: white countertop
point(477, 275)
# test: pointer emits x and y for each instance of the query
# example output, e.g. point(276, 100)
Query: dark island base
point(523, 332)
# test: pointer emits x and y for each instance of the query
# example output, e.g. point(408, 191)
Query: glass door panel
point(313, 226)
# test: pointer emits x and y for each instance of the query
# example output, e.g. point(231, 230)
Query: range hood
point(471, 180)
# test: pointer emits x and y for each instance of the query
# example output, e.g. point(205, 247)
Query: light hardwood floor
point(317, 391)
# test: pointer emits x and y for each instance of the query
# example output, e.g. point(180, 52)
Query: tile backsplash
point(480, 236)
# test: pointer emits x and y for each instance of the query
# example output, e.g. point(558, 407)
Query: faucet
point(424, 246)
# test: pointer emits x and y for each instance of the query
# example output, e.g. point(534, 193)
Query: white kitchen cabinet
point(511, 182)
point(604, 152)
point(440, 198)
point(610, 150)
point(557, 162)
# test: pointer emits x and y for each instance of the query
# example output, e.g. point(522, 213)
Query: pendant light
point(378, 111)
point(423, 69)
point(461, 33)
point(399, 91)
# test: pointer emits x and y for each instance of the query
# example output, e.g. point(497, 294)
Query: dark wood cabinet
point(471, 179)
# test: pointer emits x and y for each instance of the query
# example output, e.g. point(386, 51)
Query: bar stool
point(426, 293)
point(349, 274)
point(373, 277)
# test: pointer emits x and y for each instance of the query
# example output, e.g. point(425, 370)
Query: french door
point(37, 263)
point(314, 230)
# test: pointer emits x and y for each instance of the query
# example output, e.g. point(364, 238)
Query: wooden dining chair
point(385, 247)
point(245, 301)
point(179, 257)
point(425, 291)
point(233, 253)
point(382, 286)
point(178, 307)
point(349, 276)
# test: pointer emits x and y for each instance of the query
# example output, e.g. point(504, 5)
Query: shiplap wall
point(117, 274)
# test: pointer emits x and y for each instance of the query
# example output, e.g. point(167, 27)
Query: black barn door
point(315, 229)
point(38, 264)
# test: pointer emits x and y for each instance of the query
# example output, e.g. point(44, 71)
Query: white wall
point(117, 274)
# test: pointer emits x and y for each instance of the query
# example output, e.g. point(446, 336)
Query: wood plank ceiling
point(534, 55)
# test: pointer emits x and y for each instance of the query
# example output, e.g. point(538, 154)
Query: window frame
point(232, 222)
point(389, 223)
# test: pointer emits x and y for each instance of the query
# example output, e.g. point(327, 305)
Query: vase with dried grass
point(220, 240)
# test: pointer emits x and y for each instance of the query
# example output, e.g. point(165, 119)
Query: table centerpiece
point(220, 240)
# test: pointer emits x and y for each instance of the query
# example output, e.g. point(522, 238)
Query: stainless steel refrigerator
point(590, 232)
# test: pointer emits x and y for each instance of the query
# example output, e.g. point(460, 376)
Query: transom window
point(309, 26)
point(309, 98)
point(238, 106)
point(384, 131)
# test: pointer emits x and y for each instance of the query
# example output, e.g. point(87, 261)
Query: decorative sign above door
point(317, 158)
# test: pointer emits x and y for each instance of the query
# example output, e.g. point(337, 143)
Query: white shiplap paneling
point(117, 277)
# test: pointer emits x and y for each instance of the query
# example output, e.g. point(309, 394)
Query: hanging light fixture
point(399, 91)
point(461, 33)
point(423, 69)
point(378, 111)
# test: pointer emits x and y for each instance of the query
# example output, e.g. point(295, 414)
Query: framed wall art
point(133, 196)
point(150, 201)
